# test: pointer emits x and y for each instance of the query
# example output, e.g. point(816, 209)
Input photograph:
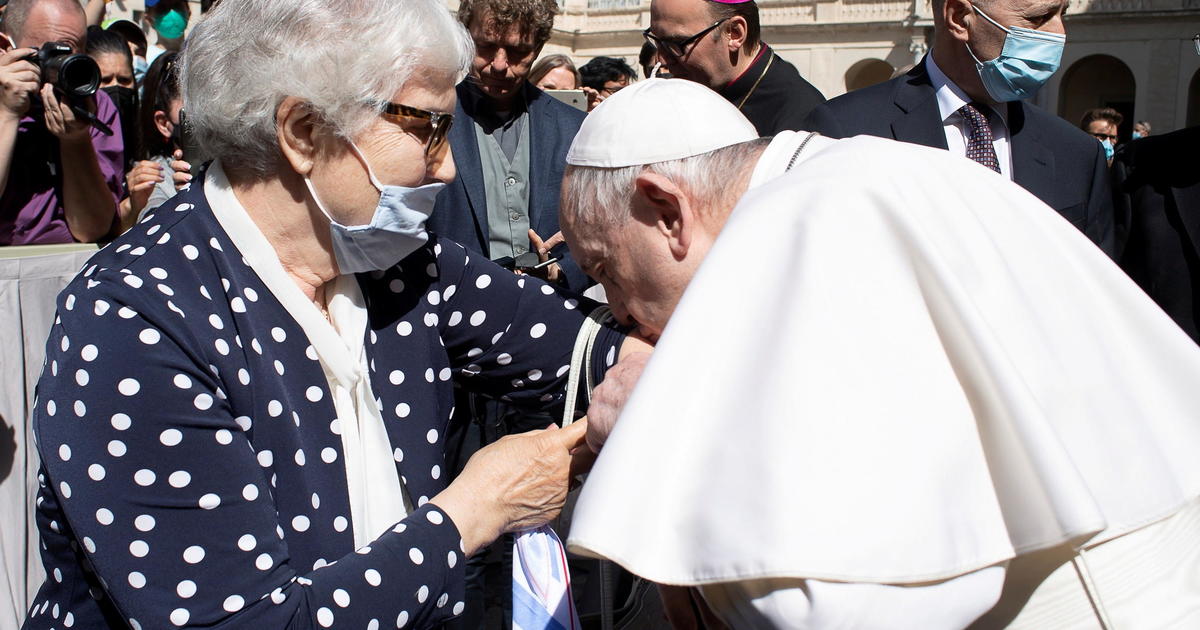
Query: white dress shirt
point(950, 99)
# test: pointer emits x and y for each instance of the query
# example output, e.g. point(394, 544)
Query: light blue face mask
point(1029, 58)
point(1108, 149)
point(1137, 135)
point(140, 66)
point(397, 228)
point(172, 25)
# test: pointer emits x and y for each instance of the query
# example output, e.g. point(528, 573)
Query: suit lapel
point(467, 162)
point(541, 119)
point(920, 121)
point(1032, 160)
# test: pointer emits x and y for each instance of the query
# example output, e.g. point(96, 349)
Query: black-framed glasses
point(439, 123)
point(679, 48)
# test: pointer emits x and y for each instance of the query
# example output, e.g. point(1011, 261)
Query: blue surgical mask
point(397, 228)
point(140, 66)
point(1029, 58)
point(1137, 134)
point(1108, 149)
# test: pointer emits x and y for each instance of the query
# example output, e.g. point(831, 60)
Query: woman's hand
point(183, 170)
point(141, 181)
point(516, 483)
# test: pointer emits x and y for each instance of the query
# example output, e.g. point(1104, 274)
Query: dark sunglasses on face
point(679, 48)
point(439, 123)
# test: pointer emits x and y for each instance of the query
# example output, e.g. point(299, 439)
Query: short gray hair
point(343, 58)
point(602, 196)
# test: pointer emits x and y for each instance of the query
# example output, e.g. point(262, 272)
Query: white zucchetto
point(622, 131)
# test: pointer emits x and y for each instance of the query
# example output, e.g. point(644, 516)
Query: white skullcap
point(657, 120)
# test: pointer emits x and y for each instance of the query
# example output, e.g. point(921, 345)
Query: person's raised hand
point(183, 170)
point(19, 80)
point(594, 97)
point(551, 273)
point(61, 120)
point(141, 181)
point(609, 398)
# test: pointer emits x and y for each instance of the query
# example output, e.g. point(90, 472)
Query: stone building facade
point(1135, 55)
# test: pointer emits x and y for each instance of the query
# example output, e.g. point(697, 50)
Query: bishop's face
point(703, 59)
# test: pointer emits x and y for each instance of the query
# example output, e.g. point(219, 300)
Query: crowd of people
point(315, 377)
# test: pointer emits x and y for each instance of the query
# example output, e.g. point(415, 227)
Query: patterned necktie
point(979, 137)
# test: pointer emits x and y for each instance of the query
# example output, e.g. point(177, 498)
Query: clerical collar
point(739, 90)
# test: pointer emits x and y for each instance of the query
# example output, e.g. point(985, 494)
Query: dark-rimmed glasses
point(439, 123)
point(679, 48)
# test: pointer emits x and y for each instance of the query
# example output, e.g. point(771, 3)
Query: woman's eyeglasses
point(439, 123)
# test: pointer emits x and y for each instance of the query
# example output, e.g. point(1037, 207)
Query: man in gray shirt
point(509, 141)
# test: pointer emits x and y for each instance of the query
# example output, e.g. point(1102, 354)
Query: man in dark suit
point(1157, 187)
point(716, 43)
point(509, 143)
point(954, 100)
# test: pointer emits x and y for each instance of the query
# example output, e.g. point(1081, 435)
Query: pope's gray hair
point(343, 58)
point(602, 196)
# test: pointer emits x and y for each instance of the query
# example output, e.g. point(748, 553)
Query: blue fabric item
point(1029, 58)
point(541, 582)
point(461, 210)
point(397, 226)
point(140, 66)
point(192, 467)
point(1108, 149)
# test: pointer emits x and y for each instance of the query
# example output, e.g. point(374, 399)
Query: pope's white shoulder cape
point(894, 366)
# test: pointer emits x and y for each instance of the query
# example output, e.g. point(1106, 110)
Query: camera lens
point(75, 75)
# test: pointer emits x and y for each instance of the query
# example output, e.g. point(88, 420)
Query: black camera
point(73, 75)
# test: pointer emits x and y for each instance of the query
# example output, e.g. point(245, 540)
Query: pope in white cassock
point(898, 391)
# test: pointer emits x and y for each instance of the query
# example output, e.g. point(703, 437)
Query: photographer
point(61, 177)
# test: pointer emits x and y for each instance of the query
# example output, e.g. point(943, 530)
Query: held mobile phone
point(187, 142)
point(574, 98)
point(525, 262)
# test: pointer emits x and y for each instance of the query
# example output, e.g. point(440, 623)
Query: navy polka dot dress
point(192, 469)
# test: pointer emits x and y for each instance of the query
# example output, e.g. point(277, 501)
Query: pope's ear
point(662, 204)
point(296, 131)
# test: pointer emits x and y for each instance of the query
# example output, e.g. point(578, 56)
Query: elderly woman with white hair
point(242, 415)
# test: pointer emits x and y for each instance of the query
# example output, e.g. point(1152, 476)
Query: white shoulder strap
point(581, 359)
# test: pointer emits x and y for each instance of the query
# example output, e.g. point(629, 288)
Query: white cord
point(581, 360)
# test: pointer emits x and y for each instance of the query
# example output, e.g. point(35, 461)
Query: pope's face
point(627, 260)
point(645, 262)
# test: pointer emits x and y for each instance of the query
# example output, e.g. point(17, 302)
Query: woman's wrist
point(473, 513)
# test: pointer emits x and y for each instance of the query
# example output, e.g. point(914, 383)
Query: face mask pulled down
point(1028, 59)
point(396, 230)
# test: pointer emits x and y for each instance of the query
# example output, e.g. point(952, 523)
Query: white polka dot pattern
point(189, 439)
